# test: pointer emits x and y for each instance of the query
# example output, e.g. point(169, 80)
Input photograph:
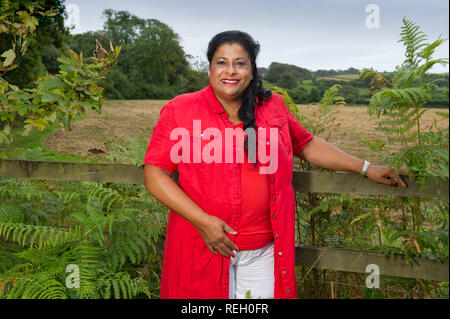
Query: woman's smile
point(230, 81)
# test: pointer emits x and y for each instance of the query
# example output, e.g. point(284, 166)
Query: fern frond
point(393, 99)
point(67, 197)
point(429, 49)
point(134, 152)
point(52, 261)
point(414, 39)
point(106, 197)
point(37, 287)
point(86, 257)
point(12, 213)
point(41, 236)
point(423, 161)
point(122, 286)
point(127, 246)
point(332, 96)
point(20, 190)
point(8, 256)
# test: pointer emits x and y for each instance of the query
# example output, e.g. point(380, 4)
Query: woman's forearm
point(212, 229)
point(159, 183)
point(326, 155)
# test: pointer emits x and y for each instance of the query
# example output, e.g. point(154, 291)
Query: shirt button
point(280, 253)
point(268, 143)
point(274, 217)
point(273, 180)
point(273, 198)
point(276, 235)
point(284, 272)
point(287, 290)
point(260, 128)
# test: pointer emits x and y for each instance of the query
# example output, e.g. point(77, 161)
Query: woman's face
point(230, 71)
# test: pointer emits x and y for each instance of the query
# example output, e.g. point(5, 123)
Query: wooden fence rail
point(315, 182)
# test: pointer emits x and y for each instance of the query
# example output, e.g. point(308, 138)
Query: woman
point(231, 225)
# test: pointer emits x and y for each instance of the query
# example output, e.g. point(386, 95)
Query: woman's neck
point(232, 108)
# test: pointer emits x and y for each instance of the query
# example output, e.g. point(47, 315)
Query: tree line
point(305, 86)
point(153, 64)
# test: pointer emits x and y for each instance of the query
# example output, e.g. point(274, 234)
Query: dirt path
point(128, 118)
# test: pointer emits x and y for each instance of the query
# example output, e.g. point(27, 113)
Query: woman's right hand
point(213, 231)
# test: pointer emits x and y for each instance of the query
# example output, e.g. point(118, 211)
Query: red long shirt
point(255, 229)
point(190, 270)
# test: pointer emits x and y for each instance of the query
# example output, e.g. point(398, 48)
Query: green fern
point(418, 50)
point(399, 106)
point(37, 287)
point(123, 286)
point(106, 197)
point(325, 111)
point(399, 109)
point(40, 236)
point(94, 226)
point(134, 153)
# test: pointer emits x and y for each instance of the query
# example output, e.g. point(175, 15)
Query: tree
point(195, 81)
point(157, 54)
point(350, 93)
point(276, 69)
point(122, 27)
point(299, 95)
point(49, 33)
point(287, 81)
point(314, 95)
point(53, 98)
point(152, 63)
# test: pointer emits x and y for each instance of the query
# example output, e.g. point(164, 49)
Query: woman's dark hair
point(255, 94)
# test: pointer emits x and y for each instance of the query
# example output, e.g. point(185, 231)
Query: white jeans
point(252, 270)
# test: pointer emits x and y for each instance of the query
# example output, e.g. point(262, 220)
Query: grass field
point(340, 77)
point(121, 119)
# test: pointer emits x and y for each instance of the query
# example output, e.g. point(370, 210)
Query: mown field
point(340, 77)
point(123, 119)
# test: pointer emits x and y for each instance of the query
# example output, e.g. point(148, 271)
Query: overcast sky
point(314, 34)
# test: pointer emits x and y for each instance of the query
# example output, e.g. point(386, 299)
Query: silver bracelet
point(365, 168)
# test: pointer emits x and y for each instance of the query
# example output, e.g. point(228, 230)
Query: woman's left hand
point(385, 175)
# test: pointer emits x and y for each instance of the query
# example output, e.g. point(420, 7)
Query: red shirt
point(189, 269)
point(255, 229)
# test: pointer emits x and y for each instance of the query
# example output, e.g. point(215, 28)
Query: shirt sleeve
point(299, 135)
point(158, 151)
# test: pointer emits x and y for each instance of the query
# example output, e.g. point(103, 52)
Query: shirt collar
point(213, 101)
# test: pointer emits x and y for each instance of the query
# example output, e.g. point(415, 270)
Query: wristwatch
point(365, 168)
